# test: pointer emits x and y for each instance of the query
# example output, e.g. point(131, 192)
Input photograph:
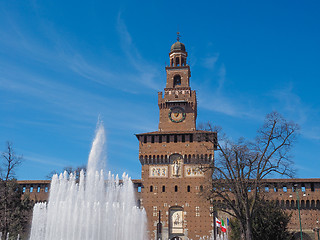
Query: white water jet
point(91, 208)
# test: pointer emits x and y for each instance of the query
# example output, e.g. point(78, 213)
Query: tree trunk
point(248, 229)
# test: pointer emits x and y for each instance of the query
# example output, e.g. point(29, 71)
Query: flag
point(218, 223)
point(223, 227)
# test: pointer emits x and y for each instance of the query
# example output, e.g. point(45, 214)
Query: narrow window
point(312, 187)
point(46, 189)
point(176, 188)
point(151, 188)
point(177, 61)
point(175, 138)
point(139, 189)
point(160, 138)
point(183, 138)
point(31, 189)
point(188, 188)
point(145, 139)
point(168, 138)
point(152, 139)
point(24, 189)
point(163, 188)
point(177, 80)
point(191, 138)
point(201, 188)
point(38, 190)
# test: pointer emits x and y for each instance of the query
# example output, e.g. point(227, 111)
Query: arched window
point(308, 204)
point(188, 188)
point(176, 80)
point(163, 188)
point(177, 61)
point(287, 204)
point(176, 188)
point(313, 204)
point(151, 188)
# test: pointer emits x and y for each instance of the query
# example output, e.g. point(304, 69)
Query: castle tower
point(173, 191)
point(178, 102)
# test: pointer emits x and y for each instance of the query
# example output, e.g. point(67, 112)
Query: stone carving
point(158, 171)
point(193, 171)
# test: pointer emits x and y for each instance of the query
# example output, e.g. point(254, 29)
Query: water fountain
point(91, 208)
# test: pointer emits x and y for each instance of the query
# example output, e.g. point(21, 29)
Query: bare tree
point(10, 162)
point(241, 166)
point(14, 210)
point(76, 171)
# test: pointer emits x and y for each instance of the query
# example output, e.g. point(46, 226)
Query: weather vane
point(178, 36)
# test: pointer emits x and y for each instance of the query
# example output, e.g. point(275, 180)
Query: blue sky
point(65, 63)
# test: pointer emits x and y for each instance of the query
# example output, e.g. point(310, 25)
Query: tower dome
point(178, 54)
point(178, 46)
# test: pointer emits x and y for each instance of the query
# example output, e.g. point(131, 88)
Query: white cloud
point(210, 62)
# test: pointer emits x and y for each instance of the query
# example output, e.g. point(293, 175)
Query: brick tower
point(171, 158)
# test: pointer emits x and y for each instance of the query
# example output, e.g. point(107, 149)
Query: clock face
point(177, 114)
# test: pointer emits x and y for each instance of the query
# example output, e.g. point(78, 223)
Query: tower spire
point(178, 36)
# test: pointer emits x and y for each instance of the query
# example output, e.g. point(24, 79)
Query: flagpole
point(214, 225)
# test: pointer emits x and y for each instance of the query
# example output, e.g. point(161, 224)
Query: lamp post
point(297, 191)
point(316, 229)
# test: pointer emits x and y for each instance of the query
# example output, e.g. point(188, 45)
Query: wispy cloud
point(55, 52)
point(291, 104)
point(46, 160)
point(210, 61)
point(148, 73)
point(217, 98)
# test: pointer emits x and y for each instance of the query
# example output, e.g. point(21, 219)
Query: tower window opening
point(177, 61)
point(188, 188)
point(175, 138)
point(183, 138)
point(168, 138)
point(152, 139)
point(145, 139)
point(160, 138)
point(151, 188)
point(312, 187)
point(176, 80)
point(191, 138)
point(176, 188)
point(163, 188)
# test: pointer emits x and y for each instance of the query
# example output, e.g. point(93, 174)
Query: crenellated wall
point(282, 191)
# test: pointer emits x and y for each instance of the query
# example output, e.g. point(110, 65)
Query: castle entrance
point(176, 238)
